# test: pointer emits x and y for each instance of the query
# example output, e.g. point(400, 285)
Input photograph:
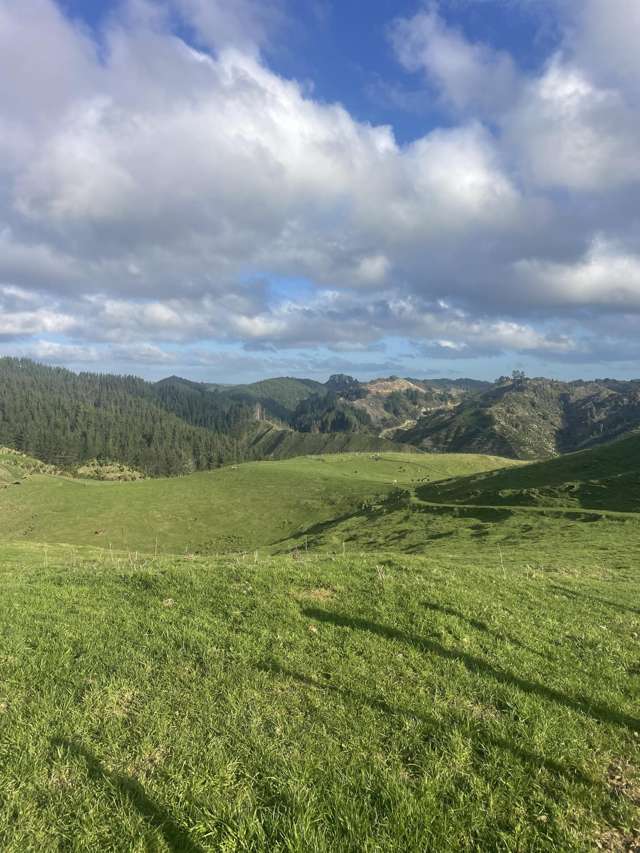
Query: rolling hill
point(271, 399)
point(366, 664)
point(241, 507)
point(177, 426)
point(166, 428)
point(604, 477)
point(330, 652)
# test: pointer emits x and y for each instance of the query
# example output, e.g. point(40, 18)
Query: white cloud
point(570, 133)
point(603, 34)
point(247, 24)
point(150, 190)
point(606, 276)
point(470, 77)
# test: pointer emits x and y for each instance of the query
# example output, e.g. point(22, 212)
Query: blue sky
point(342, 49)
point(231, 190)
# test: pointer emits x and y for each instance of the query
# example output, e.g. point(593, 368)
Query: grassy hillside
point(605, 477)
point(385, 702)
point(235, 508)
point(406, 652)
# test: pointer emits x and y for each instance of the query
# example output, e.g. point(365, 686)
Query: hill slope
point(171, 427)
point(531, 418)
point(604, 477)
point(274, 399)
point(240, 507)
point(66, 418)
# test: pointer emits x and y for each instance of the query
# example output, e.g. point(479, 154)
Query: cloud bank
point(159, 194)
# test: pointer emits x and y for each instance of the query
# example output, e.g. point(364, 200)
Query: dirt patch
point(624, 781)
point(614, 841)
point(388, 386)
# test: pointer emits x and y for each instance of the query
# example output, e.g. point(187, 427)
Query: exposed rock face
point(532, 419)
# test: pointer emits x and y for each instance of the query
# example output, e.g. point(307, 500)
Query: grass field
point(380, 702)
point(605, 477)
point(235, 508)
point(371, 670)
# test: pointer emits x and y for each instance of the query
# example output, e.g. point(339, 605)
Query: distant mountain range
point(176, 425)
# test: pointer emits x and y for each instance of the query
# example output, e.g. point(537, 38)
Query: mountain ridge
point(177, 425)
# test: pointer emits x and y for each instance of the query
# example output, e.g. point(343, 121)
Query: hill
point(531, 418)
point(605, 477)
point(243, 507)
point(270, 443)
point(171, 427)
point(65, 419)
point(274, 399)
point(176, 426)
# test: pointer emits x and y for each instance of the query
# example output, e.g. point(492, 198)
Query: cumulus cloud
point(606, 276)
point(152, 189)
point(247, 24)
point(470, 77)
point(570, 133)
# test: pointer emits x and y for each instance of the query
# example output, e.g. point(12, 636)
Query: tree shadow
point(476, 665)
point(571, 774)
point(177, 839)
point(478, 624)
point(565, 590)
point(381, 506)
point(322, 526)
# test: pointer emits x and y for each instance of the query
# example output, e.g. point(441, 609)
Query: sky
point(235, 189)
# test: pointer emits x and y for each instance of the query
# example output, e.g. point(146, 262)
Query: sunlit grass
point(315, 703)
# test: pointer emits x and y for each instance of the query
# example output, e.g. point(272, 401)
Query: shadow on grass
point(476, 665)
point(322, 526)
point(572, 593)
point(176, 838)
point(478, 624)
point(524, 755)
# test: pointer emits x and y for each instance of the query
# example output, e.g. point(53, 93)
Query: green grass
point(235, 508)
point(272, 443)
point(375, 702)
point(605, 477)
point(383, 665)
point(535, 537)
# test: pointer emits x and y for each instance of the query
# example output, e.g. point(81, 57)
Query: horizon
point(363, 380)
point(440, 188)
